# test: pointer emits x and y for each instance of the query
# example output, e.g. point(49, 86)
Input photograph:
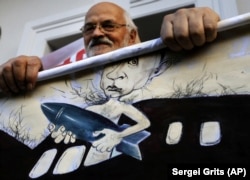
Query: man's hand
point(61, 134)
point(19, 74)
point(187, 28)
point(108, 142)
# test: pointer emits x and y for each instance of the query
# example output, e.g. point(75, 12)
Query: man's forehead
point(103, 12)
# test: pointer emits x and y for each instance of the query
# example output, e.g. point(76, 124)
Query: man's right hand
point(19, 74)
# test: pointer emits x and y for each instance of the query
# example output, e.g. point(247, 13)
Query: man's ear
point(133, 37)
point(159, 70)
point(159, 67)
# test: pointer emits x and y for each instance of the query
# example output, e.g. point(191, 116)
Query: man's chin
point(113, 94)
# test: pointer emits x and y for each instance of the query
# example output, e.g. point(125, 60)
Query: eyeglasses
point(105, 27)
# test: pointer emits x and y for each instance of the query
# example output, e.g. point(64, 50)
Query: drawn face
point(105, 29)
point(121, 79)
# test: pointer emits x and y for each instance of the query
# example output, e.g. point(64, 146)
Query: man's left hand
point(190, 27)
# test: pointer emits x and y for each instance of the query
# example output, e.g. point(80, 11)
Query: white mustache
point(96, 41)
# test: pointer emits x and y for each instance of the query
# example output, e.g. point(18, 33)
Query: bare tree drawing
point(17, 127)
point(193, 88)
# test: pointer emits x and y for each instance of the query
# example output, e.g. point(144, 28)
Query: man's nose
point(116, 74)
point(98, 31)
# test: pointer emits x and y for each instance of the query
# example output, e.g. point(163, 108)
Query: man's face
point(99, 41)
point(123, 78)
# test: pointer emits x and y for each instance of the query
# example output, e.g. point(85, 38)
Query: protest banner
point(134, 112)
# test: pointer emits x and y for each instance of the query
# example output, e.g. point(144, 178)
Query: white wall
point(243, 6)
point(14, 14)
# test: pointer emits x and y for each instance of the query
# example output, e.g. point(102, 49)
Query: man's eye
point(89, 28)
point(133, 62)
point(108, 27)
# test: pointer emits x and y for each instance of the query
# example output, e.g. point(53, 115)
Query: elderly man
point(107, 28)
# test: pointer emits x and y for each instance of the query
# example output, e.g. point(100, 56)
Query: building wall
point(243, 6)
point(14, 14)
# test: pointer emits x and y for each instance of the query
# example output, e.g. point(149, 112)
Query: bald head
point(105, 6)
point(116, 10)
